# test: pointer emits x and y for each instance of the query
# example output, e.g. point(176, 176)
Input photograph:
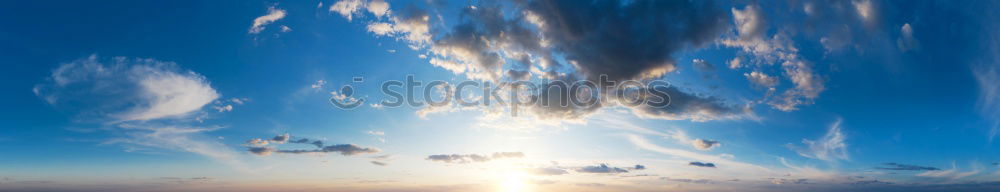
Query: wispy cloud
point(273, 14)
point(603, 168)
point(830, 147)
point(154, 103)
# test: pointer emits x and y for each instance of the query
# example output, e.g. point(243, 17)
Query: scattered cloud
point(704, 145)
point(778, 48)
point(223, 108)
point(492, 43)
point(378, 8)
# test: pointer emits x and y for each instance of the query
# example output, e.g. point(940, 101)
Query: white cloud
point(761, 79)
point(778, 48)
point(830, 147)
point(273, 14)
point(127, 89)
point(347, 8)
point(735, 63)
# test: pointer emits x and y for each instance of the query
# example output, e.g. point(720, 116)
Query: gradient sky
point(234, 95)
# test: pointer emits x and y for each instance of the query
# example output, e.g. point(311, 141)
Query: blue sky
point(233, 95)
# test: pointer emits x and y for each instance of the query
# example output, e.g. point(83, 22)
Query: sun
point(513, 181)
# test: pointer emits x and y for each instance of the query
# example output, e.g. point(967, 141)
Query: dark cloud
point(905, 167)
point(639, 167)
point(700, 164)
point(554, 100)
point(379, 163)
point(480, 44)
point(871, 182)
point(278, 139)
point(602, 168)
point(626, 39)
point(467, 158)
point(262, 151)
point(343, 149)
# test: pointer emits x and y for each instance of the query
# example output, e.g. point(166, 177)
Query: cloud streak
point(470, 158)
point(153, 103)
point(905, 167)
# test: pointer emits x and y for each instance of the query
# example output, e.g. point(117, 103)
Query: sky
point(803, 95)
